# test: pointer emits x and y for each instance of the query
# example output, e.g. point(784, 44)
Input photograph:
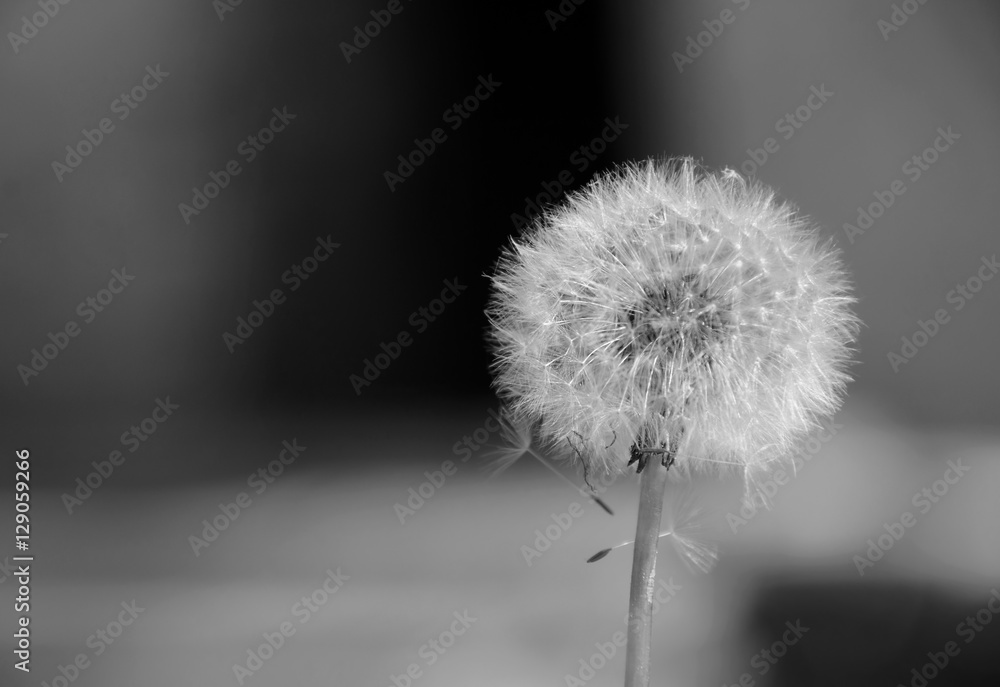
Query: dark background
point(324, 176)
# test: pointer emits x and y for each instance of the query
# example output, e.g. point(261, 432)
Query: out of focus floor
point(460, 555)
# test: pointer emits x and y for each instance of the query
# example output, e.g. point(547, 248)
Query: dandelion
point(669, 316)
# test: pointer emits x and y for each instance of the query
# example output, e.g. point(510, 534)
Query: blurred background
point(374, 159)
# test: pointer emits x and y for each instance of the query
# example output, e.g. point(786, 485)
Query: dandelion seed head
point(664, 301)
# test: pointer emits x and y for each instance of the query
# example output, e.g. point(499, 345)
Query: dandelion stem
point(652, 483)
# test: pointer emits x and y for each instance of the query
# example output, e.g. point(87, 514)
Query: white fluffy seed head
point(666, 303)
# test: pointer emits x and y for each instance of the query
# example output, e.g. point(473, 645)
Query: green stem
point(652, 484)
